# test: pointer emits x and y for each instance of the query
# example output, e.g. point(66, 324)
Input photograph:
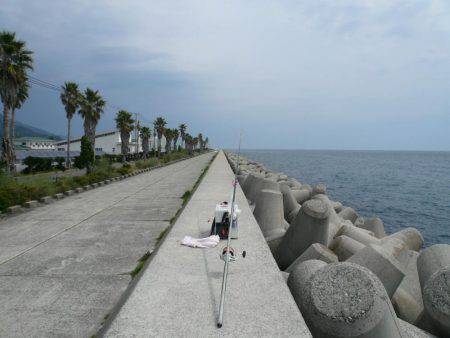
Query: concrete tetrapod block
point(337, 206)
point(300, 275)
point(309, 227)
point(345, 247)
point(294, 184)
point(274, 238)
point(375, 225)
point(307, 187)
point(361, 235)
point(382, 264)
point(411, 331)
point(285, 276)
point(315, 251)
point(360, 221)
point(319, 189)
point(433, 265)
point(285, 225)
point(347, 300)
point(348, 213)
point(260, 184)
point(407, 300)
point(336, 222)
point(290, 204)
point(411, 236)
point(301, 195)
point(269, 210)
point(249, 182)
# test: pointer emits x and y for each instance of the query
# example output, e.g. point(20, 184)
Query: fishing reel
point(229, 253)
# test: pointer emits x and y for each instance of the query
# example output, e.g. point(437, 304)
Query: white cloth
point(207, 242)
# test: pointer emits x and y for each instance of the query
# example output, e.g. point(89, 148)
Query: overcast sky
point(291, 74)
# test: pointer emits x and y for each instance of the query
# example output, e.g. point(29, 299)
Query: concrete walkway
point(64, 266)
point(179, 292)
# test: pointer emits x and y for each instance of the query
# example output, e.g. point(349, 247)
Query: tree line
point(16, 61)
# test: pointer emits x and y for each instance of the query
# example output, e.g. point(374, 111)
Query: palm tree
point(91, 108)
point(168, 134)
point(159, 126)
point(145, 137)
point(125, 124)
point(15, 61)
point(175, 134)
point(195, 142)
point(188, 143)
point(183, 128)
point(70, 98)
point(21, 97)
point(200, 139)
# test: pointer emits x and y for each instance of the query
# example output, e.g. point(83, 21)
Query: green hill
point(25, 130)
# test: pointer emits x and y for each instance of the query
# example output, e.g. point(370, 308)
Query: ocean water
point(403, 188)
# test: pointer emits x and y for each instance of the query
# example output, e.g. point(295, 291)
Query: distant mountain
point(24, 130)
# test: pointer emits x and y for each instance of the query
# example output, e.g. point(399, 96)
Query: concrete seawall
point(179, 292)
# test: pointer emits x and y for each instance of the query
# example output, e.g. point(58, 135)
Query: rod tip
point(219, 325)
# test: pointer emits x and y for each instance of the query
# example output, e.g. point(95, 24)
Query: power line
point(52, 86)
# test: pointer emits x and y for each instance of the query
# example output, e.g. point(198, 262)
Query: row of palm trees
point(89, 104)
point(15, 63)
point(125, 124)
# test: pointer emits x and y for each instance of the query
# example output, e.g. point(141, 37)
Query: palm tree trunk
point(12, 137)
point(159, 146)
point(68, 144)
point(6, 146)
point(124, 145)
point(89, 132)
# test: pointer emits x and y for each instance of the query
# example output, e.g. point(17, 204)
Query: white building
point(35, 143)
point(109, 142)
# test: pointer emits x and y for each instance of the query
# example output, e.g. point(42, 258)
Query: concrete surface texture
point(179, 292)
point(63, 266)
point(347, 300)
point(433, 266)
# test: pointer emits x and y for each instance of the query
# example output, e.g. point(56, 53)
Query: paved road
point(179, 292)
point(64, 266)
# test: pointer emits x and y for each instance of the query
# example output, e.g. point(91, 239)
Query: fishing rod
point(228, 252)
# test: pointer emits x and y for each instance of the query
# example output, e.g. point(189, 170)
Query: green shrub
point(37, 164)
point(60, 163)
point(87, 155)
point(126, 169)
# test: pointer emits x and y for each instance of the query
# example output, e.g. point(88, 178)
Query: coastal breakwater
point(348, 277)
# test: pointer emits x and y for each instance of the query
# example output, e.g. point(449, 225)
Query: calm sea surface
point(403, 188)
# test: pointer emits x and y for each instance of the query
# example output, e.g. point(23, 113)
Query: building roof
point(34, 139)
point(106, 133)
